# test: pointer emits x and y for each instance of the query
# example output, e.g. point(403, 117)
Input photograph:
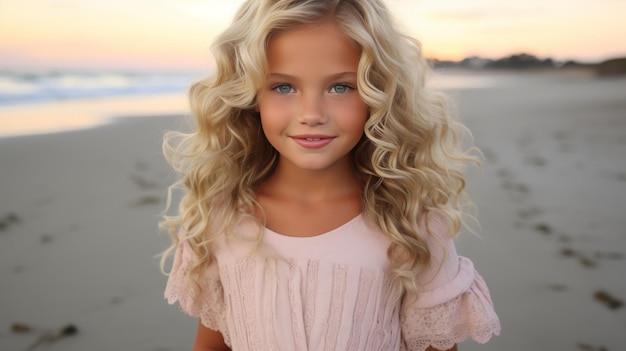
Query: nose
point(311, 111)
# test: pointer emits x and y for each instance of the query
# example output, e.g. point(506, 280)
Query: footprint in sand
point(557, 287)
point(8, 220)
point(582, 259)
point(620, 176)
point(608, 300)
point(587, 262)
point(543, 228)
point(515, 187)
point(46, 238)
point(490, 155)
point(503, 173)
point(143, 183)
point(529, 213)
point(536, 160)
point(567, 252)
point(587, 347)
point(509, 183)
point(146, 200)
point(44, 337)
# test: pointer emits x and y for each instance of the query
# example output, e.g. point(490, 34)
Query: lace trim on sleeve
point(209, 305)
point(470, 314)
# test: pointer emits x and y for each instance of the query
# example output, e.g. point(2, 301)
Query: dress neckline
point(340, 228)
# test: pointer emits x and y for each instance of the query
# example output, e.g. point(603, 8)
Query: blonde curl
point(411, 159)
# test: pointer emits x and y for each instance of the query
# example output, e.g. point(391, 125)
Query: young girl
point(323, 186)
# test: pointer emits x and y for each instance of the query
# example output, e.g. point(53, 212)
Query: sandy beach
point(79, 212)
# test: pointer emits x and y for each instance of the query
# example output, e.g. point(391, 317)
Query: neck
point(312, 185)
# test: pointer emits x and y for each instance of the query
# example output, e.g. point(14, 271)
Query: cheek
point(267, 124)
point(273, 120)
point(356, 114)
point(269, 112)
point(272, 106)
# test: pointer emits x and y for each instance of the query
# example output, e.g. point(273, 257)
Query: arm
point(209, 340)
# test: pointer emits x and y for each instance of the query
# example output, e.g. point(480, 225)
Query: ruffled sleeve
point(453, 304)
point(208, 305)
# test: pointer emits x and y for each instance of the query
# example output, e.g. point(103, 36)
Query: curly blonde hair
point(410, 159)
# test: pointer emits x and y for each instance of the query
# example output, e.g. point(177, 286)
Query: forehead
point(320, 45)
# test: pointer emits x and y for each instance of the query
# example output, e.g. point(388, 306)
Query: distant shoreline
point(525, 62)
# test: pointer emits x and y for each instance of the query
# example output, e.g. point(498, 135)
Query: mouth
point(313, 141)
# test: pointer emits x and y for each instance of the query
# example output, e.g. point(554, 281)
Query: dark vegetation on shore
point(612, 67)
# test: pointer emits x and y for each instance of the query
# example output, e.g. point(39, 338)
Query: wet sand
point(551, 202)
point(79, 213)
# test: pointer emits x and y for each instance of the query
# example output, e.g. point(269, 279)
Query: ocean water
point(35, 87)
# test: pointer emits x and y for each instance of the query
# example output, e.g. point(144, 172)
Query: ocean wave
point(38, 87)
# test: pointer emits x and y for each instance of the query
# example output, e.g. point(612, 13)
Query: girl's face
point(311, 111)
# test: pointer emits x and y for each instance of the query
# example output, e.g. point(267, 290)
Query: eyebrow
point(340, 75)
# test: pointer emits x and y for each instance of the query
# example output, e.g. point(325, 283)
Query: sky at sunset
point(175, 35)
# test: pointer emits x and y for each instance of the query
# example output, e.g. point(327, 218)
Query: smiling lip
point(312, 141)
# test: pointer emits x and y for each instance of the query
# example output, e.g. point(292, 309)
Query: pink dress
point(333, 292)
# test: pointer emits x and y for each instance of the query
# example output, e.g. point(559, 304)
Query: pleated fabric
point(332, 292)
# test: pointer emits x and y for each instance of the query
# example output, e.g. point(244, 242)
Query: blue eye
point(283, 89)
point(340, 88)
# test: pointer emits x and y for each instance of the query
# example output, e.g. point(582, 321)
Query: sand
point(551, 202)
point(79, 213)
